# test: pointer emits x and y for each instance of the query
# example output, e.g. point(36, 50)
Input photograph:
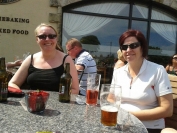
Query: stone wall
point(171, 3)
point(56, 18)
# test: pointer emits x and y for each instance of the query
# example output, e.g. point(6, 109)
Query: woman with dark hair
point(171, 67)
point(146, 89)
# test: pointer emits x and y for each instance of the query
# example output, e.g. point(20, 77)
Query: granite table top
point(62, 118)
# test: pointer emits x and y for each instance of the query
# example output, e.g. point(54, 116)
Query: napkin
point(14, 92)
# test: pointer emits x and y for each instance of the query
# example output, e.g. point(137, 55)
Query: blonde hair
point(120, 55)
point(58, 47)
point(44, 25)
point(74, 42)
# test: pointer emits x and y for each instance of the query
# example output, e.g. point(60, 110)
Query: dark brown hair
point(139, 36)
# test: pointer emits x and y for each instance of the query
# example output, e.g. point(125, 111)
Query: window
point(140, 11)
point(162, 39)
point(105, 29)
point(108, 20)
point(160, 15)
point(109, 8)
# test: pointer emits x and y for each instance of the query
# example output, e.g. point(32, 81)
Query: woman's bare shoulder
point(119, 64)
point(36, 54)
point(69, 59)
point(61, 55)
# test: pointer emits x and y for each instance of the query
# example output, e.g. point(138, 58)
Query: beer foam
point(109, 108)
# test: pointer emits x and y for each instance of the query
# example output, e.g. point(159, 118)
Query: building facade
point(18, 20)
point(96, 23)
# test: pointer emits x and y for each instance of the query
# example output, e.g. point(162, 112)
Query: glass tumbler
point(110, 99)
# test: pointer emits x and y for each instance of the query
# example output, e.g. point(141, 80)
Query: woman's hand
point(18, 62)
point(13, 64)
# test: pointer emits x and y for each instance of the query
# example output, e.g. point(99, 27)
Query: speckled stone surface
point(62, 118)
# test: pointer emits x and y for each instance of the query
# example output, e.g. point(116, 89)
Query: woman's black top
point(45, 79)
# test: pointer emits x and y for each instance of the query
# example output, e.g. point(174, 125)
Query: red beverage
point(91, 97)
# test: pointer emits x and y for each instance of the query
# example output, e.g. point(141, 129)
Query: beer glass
point(93, 84)
point(110, 99)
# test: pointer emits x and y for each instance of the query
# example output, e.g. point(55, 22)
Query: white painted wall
point(37, 11)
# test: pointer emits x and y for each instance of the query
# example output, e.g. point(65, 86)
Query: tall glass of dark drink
point(110, 99)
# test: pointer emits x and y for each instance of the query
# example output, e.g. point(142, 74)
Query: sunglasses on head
point(50, 36)
point(132, 46)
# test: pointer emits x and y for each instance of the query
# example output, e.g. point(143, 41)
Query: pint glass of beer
point(93, 84)
point(110, 99)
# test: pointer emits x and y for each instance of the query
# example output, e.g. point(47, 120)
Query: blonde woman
point(121, 61)
point(42, 70)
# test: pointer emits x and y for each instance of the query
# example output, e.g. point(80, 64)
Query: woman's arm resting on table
point(21, 74)
point(165, 109)
point(73, 72)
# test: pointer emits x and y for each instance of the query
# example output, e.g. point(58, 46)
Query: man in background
point(83, 61)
